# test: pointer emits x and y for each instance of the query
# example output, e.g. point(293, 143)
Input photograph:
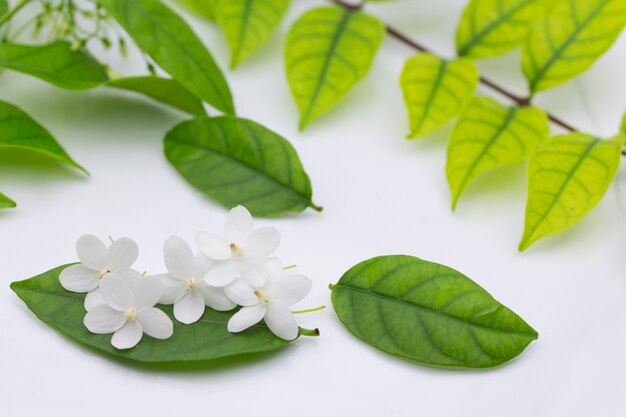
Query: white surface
point(382, 194)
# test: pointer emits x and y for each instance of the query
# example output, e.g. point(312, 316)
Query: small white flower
point(129, 311)
point(96, 262)
point(270, 302)
point(242, 253)
point(184, 285)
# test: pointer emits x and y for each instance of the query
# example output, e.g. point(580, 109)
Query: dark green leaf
point(19, 130)
point(165, 90)
point(6, 202)
point(328, 50)
point(164, 36)
point(567, 177)
point(247, 24)
point(428, 313)
point(569, 38)
point(56, 63)
point(204, 340)
point(236, 161)
point(4, 6)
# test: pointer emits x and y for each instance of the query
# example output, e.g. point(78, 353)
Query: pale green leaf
point(165, 90)
point(248, 24)
point(203, 340)
point(204, 8)
point(436, 90)
point(487, 136)
point(236, 161)
point(6, 202)
point(623, 126)
point(328, 50)
point(569, 38)
point(428, 313)
point(164, 36)
point(18, 130)
point(567, 177)
point(494, 27)
point(57, 63)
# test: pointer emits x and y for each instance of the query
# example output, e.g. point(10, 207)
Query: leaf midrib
point(430, 310)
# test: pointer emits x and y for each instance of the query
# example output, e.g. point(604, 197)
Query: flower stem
point(309, 332)
point(310, 310)
point(9, 14)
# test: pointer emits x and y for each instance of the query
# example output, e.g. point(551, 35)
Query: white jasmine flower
point(128, 311)
point(242, 253)
point(184, 285)
point(96, 262)
point(270, 302)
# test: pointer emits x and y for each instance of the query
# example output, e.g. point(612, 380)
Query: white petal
point(262, 242)
point(94, 299)
point(238, 225)
point(78, 278)
point(213, 246)
point(173, 289)
point(216, 298)
point(178, 258)
point(190, 308)
point(121, 255)
point(246, 317)
point(201, 265)
point(241, 293)
point(116, 292)
point(103, 319)
point(128, 336)
point(130, 275)
point(281, 321)
point(156, 323)
point(254, 270)
point(223, 273)
point(146, 293)
point(91, 252)
point(290, 289)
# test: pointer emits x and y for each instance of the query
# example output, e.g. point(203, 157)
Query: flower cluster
point(234, 270)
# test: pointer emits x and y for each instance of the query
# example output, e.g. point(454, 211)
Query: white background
point(382, 195)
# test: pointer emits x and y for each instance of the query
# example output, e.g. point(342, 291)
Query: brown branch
point(519, 100)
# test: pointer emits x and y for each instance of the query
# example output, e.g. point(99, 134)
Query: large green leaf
point(247, 24)
point(487, 136)
point(494, 27)
point(568, 39)
point(204, 8)
point(328, 50)
point(164, 36)
point(427, 313)
point(436, 90)
point(18, 130)
point(204, 340)
point(4, 6)
point(236, 161)
point(165, 90)
point(56, 63)
point(6, 202)
point(568, 176)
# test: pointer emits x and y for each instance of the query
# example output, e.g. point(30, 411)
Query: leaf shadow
point(24, 166)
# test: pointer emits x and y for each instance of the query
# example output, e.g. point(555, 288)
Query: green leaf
point(248, 24)
point(18, 130)
point(328, 50)
point(436, 90)
point(427, 313)
point(4, 7)
point(204, 8)
point(487, 136)
point(6, 202)
point(164, 36)
point(165, 90)
point(56, 63)
point(623, 126)
point(569, 38)
point(204, 340)
point(568, 176)
point(236, 161)
point(494, 27)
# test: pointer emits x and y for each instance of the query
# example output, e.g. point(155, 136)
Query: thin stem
point(8, 15)
point(519, 100)
point(310, 310)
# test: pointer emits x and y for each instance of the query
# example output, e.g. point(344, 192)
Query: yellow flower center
point(192, 283)
point(102, 273)
point(236, 250)
point(263, 298)
point(130, 314)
